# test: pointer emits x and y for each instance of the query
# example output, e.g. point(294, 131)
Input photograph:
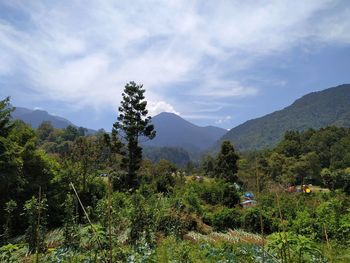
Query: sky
point(211, 62)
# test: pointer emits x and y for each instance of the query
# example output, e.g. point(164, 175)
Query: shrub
point(304, 224)
point(224, 219)
point(290, 247)
point(10, 207)
point(35, 232)
point(251, 221)
point(219, 192)
point(142, 220)
point(177, 223)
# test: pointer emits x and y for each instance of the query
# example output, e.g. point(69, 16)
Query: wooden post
point(110, 220)
point(37, 228)
point(86, 214)
point(259, 204)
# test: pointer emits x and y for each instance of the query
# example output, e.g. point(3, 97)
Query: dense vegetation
point(315, 110)
point(71, 197)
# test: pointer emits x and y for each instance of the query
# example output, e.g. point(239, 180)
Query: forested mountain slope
point(173, 131)
point(314, 110)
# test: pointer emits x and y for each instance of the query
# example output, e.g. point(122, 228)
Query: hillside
point(173, 131)
point(314, 110)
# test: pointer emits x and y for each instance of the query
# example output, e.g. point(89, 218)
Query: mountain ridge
point(318, 109)
point(34, 117)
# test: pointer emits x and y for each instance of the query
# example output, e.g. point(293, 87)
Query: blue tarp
point(248, 195)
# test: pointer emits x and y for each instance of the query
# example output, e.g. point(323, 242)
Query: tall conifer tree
point(226, 163)
point(132, 124)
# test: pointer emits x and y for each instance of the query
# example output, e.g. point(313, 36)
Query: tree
point(226, 163)
point(5, 117)
point(208, 165)
point(44, 130)
point(133, 123)
point(70, 133)
point(290, 146)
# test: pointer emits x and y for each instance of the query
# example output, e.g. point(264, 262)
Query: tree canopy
point(226, 163)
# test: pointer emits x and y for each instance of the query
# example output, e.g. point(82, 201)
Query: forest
point(66, 196)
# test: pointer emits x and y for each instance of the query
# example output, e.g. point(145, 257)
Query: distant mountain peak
point(174, 131)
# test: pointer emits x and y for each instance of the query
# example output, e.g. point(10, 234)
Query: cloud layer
point(83, 52)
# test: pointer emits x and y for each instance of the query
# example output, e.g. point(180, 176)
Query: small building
point(248, 203)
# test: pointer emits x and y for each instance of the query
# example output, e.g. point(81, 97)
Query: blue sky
point(212, 62)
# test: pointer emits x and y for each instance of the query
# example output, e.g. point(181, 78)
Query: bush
point(35, 211)
point(224, 219)
point(290, 247)
point(304, 224)
point(177, 223)
point(142, 220)
point(164, 183)
point(251, 221)
point(214, 192)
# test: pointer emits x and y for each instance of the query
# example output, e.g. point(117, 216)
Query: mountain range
point(35, 117)
point(314, 110)
point(172, 130)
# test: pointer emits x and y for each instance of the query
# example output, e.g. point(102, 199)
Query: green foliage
point(176, 155)
point(35, 211)
point(70, 227)
point(164, 177)
point(10, 207)
point(254, 219)
point(219, 193)
point(176, 223)
point(290, 247)
point(8, 253)
point(142, 220)
point(5, 117)
point(173, 250)
point(304, 224)
point(224, 219)
point(319, 157)
point(208, 165)
point(337, 179)
point(11, 164)
point(44, 130)
point(152, 223)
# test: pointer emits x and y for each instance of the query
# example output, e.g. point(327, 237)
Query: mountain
point(314, 110)
point(173, 131)
point(36, 117)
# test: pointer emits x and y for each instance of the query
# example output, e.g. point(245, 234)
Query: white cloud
point(83, 53)
point(223, 120)
point(217, 88)
point(157, 107)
